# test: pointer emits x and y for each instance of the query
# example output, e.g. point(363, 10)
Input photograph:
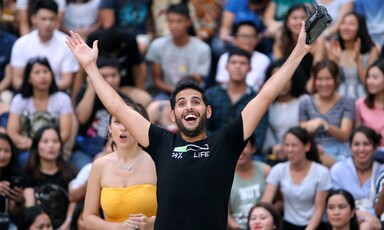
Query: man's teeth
point(190, 116)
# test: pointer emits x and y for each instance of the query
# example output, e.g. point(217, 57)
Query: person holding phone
point(11, 183)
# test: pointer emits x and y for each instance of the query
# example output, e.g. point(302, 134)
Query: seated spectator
point(287, 38)
point(228, 100)
point(81, 16)
point(45, 164)
point(326, 113)
point(46, 41)
point(24, 11)
point(284, 111)
point(264, 216)
point(337, 9)
point(341, 211)
point(132, 16)
point(11, 183)
point(246, 37)
point(92, 115)
point(35, 218)
point(301, 178)
point(369, 109)
point(248, 186)
point(38, 103)
point(353, 52)
point(379, 206)
point(361, 175)
point(178, 55)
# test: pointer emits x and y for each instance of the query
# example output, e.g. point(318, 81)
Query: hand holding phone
point(16, 181)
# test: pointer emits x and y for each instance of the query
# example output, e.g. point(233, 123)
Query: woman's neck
point(349, 45)
point(379, 100)
point(347, 227)
point(130, 153)
point(48, 167)
point(363, 168)
point(40, 95)
point(301, 165)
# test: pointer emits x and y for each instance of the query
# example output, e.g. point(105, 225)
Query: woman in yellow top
point(122, 183)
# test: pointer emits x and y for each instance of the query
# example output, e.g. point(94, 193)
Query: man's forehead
point(188, 93)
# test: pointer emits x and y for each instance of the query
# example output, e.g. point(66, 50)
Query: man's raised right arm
point(137, 125)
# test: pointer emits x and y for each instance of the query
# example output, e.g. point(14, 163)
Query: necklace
point(126, 167)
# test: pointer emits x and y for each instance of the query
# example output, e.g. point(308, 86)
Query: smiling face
point(49, 145)
point(294, 21)
point(40, 77)
point(190, 113)
point(349, 27)
point(261, 219)
point(375, 81)
point(362, 148)
point(325, 83)
point(339, 212)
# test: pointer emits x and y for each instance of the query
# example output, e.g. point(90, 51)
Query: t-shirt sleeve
point(234, 134)
point(69, 63)
point(133, 49)
point(153, 52)
point(335, 177)
point(65, 104)
point(156, 135)
point(303, 108)
point(324, 179)
point(275, 175)
point(221, 72)
point(349, 108)
point(18, 59)
point(17, 104)
point(358, 107)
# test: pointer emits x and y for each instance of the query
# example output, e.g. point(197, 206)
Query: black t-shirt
point(57, 178)
point(194, 179)
point(128, 55)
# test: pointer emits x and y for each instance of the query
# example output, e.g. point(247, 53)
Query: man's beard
point(194, 131)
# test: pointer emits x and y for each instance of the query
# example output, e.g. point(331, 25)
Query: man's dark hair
point(240, 52)
point(108, 61)
point(180, 8)
point(237, 26)
point(45, 4)
point(187, 85)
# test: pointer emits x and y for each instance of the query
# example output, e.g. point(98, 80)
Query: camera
point(16, 181)
point(316, 23)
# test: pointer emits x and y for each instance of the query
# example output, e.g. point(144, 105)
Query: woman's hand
point(5, 188)
point(140, 222)
point(83, 53)
point(312, 125)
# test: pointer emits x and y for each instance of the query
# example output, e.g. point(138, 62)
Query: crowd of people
point(190, 114)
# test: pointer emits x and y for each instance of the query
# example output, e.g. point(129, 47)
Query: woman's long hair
point(369, 100)
point(26, 89)
point(32, 165)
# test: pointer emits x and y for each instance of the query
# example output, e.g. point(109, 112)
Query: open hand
point(83, 53)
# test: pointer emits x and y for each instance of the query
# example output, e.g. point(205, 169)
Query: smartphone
point(16, 181)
